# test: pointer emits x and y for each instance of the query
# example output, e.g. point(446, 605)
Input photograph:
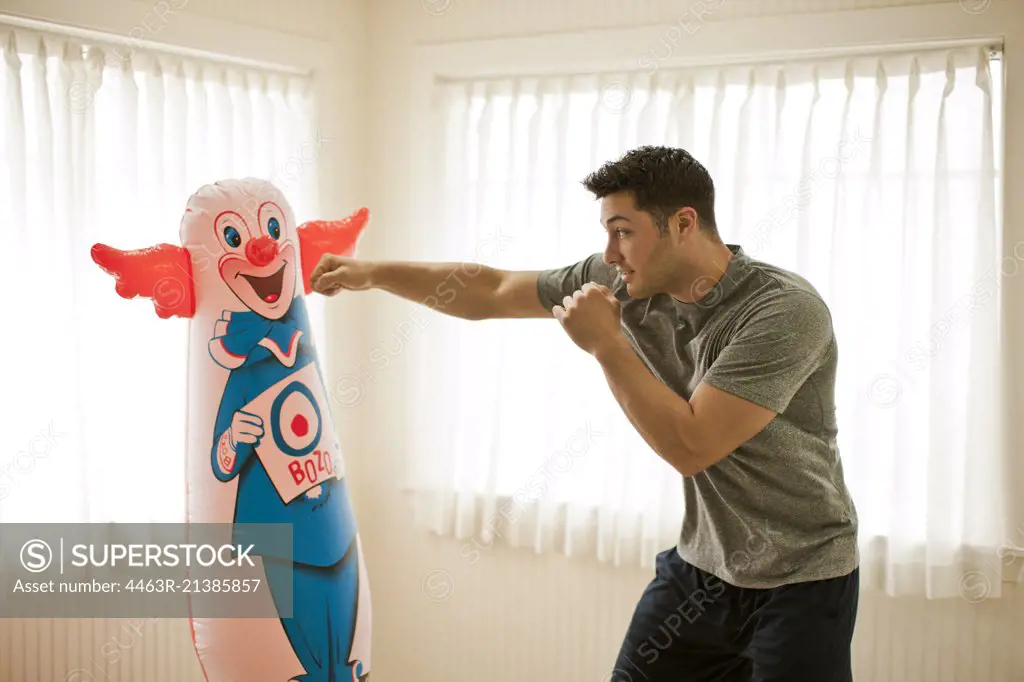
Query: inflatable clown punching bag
point(262, 447)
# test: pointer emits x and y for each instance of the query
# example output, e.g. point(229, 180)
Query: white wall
point(513, 615)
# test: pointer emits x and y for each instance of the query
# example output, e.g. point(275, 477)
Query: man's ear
point(686, 219)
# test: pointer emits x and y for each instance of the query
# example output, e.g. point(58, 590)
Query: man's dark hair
point(662, 180)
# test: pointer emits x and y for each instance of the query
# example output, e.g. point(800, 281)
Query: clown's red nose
point(261, 250)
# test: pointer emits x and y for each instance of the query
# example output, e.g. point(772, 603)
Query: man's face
point(644, 256)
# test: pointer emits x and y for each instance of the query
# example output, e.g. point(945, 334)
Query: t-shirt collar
point(697, 312)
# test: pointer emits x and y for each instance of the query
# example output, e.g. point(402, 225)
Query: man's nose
point(261, 251)
point(611, 255)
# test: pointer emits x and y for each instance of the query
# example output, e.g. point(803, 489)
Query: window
point(876, 177)
point(102, 143)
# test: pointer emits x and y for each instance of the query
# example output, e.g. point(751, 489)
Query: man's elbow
point(690, 468)
point(691, 457)
point(678, 457)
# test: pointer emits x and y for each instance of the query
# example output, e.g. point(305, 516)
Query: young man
point(726, 366)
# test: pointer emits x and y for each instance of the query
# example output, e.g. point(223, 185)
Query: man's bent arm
point(691, 435)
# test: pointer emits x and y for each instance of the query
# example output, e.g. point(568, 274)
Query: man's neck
point(705, 273)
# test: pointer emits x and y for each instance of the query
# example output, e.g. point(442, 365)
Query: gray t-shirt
point(777, 510)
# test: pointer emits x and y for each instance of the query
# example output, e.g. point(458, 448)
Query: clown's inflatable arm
point(236, 444)
point(236, 433)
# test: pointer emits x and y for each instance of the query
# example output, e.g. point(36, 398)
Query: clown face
point(260, 261)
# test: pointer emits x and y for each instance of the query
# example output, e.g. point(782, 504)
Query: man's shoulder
point(602, 272)
point(592, 268)
point(774, 300)
point(555, 283)
point(771, 285)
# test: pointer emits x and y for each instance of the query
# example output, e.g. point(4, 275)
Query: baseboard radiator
point(898, 640)
point(98, 650)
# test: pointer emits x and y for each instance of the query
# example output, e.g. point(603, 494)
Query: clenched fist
point(246, 428)
point(592, 319)
point(334, 273)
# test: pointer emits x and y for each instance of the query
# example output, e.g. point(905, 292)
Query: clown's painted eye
point(274, 228)
point(232, 237)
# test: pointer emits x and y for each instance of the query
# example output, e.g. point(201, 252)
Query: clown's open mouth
point(267, 288)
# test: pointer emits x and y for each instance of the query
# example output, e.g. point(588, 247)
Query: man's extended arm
point(470, 291)
point(467, 290)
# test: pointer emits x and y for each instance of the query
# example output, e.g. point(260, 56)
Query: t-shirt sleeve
point(775, 350)
point(554, 285)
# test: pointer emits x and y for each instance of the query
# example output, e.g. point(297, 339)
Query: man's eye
point(620, 233)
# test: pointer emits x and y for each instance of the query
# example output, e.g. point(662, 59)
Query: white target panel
point(299, 448)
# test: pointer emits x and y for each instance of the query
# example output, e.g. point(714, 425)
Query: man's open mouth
point(267, 288)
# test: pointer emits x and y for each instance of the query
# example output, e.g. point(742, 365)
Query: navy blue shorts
point(690, 626)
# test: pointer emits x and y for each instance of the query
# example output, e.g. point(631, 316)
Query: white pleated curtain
point(103, 143)
point(876, 177)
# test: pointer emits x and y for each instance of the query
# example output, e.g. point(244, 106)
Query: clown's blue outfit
point(324, 565)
